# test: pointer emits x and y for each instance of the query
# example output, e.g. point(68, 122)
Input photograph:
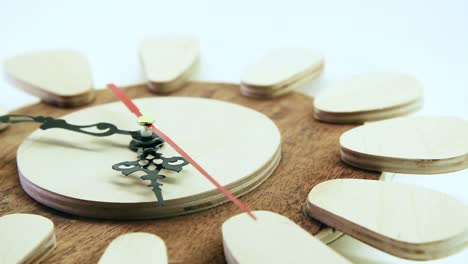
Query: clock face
point(73, 172)
point(222, 137)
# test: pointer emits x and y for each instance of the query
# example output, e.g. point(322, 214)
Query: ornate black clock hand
point(50, 122)
point(149, 160)
point(105, 129)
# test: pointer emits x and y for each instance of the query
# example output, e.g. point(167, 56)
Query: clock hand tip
point(125, 99)
point(253, 216)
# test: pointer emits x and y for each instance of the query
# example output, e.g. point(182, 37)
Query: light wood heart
point(272, 238)
point(370, 96)
point(137, 248)
point(169, 61)
point(280, 71)
point(58, 77)
point(25, 238)
point(73, 172)
point(420, 145)
point(403, 220)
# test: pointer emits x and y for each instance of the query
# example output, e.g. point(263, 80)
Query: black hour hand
point(103, 129)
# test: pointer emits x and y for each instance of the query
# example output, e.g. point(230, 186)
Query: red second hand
point(134, 109)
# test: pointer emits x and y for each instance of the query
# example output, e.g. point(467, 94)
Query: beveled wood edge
point(121, 211)
point(400, 165)
point(414, 251)
point(360, 117)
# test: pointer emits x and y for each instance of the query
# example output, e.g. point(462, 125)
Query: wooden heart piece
point(281, 71)
point(239, 146)
point(403, 220)
point(58, 77)
point(409, 145)
point(370, 96)
point(169, 61)
point(137, 248)
point(272, 238)
point(25, 238)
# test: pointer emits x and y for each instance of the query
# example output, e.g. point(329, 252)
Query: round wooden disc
point(310, 155)
point(72, 172)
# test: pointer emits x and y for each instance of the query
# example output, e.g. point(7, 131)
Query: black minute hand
point(106, 129)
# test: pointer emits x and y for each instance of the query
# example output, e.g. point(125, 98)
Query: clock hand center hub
point(145, 122)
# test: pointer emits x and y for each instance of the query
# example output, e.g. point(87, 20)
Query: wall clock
point(250, 142)
point(101, 172)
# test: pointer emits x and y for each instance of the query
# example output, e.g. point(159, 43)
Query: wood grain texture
point(310, 156)
point(401, 219)
point(369, 96)
point(420, 145)
point(280, 71)
point(273, 238)
point(247, 136)
point(25, 238)
point(169, 61)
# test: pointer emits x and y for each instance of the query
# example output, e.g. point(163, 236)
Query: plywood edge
point(413, 251)
point(360, 117)
point(400, 165)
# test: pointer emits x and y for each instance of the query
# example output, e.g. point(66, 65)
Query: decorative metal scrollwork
point(50, 122)
point(151, 162)
point(104, 129)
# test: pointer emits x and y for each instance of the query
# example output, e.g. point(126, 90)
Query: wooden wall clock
point(308, 149)
point(101, 174)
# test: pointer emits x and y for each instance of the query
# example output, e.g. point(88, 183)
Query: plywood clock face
point(68, 170)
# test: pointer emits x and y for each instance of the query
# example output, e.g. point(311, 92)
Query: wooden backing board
point(310, 155)
point(401, 219)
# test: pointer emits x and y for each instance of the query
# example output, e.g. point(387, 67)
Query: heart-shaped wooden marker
point(58, 77)
point(135, 248)
point(370, 96)
point(272, 238)
point(408, 145)
point(25, 238)
point(169, 61)
point(280, 71)
point(403, 220)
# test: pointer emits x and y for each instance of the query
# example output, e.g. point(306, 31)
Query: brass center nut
point(145, 121)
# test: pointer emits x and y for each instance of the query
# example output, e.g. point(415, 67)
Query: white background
point(428, 39)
